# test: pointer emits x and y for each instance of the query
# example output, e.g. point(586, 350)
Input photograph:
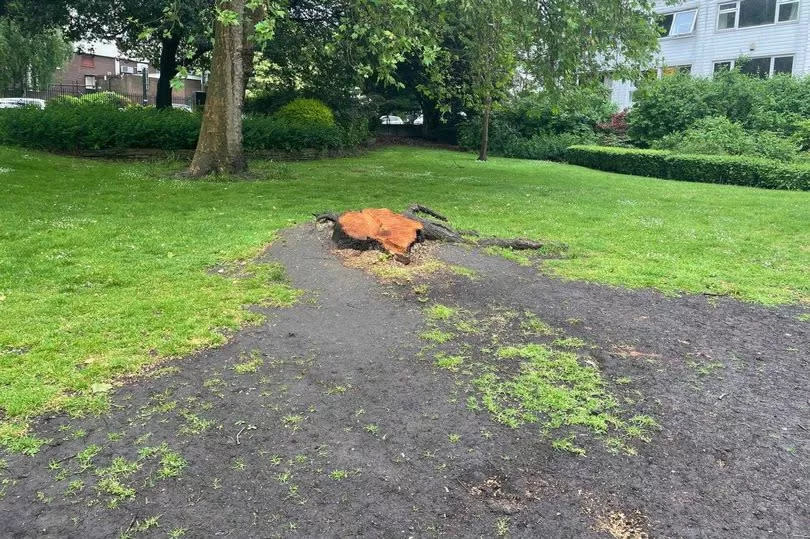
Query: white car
point(20, 102)
point(420, 120)
point(391, 120)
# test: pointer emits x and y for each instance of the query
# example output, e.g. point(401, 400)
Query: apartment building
point(704, 36)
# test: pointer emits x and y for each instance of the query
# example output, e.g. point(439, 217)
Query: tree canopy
point(29, 60)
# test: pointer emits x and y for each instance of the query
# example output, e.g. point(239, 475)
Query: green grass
point(107, 267)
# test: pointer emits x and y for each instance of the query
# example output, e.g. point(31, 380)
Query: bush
point(801, 135)
point(541, 125)
point(674, 104)
point(614, 132)
point(306, 113)
point(575, 111)
point(736, 170)
point(507, 142)
point(71, 128)
point(64, 100)
point(268, 101)
point(717, 135)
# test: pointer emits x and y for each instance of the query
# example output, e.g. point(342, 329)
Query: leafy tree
point(371, 38)
point(553, 44)
point(490, 38)
point(29, 60)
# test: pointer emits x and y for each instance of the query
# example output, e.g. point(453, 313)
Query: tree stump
point(396, 233)
point(377, 228)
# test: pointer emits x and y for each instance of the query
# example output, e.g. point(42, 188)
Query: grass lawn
point(107, 267)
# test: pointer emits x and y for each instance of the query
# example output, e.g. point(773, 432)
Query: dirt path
point(332, 419)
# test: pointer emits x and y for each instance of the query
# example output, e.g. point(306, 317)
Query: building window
point(782, 65)
point(788, 11)
point(748, 13)
point(678, 24)
point(90, 82)
point(675, 70)
point(722, 66)
point(759, 67)
point(88, 61)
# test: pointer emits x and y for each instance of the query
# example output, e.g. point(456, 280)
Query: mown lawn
point(106, 267)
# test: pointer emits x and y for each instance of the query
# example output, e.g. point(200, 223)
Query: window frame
point(737, 9)
point(95, 81)
point(675, 14)
point(733, 63)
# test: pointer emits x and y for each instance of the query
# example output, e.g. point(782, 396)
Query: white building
point(704, 36)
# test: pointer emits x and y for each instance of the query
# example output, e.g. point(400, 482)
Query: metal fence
point(77, 90)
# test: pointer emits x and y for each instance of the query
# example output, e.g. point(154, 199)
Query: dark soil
point(346, 427)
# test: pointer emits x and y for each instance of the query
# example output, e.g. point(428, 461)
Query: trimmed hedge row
point(90, 127)
point(734, 170)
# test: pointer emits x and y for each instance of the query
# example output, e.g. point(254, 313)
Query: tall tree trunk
point(168, 70)
point(219, 148)
point(431, 119)
point(482, 155)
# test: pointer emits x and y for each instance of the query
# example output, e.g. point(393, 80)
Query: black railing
point(77, 90)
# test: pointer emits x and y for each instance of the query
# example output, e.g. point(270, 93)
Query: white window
point(759, 67)
point(747, 13)
point(678, 24)
point(90, 82)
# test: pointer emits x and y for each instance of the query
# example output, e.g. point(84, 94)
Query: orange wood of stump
point(395, 232)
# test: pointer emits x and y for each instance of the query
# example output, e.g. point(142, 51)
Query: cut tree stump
point(370, 228)
point(396, 233)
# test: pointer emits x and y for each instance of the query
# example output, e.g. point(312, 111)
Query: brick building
point(101, 67)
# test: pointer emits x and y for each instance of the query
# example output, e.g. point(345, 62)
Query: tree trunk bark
point(431, 119)
point(168, 70)
point(482, 155)
point(219, 149)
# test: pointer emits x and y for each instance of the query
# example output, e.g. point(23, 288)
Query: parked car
point(420, 120)
point(391, 120)
point(20, 102)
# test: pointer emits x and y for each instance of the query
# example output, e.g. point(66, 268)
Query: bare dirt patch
point(337, 417)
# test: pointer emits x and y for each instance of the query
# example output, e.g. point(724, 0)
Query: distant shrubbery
point(542, 125)
point(717, 135)
point(736, 170)
point(306, 112)
point(66, 126)
point(674, 104)
point(104, 99)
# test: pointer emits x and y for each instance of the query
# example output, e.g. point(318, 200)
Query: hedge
point(91, 127)
point(734, 170)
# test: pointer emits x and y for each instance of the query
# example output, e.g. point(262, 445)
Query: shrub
point(106, 99)
point(614, 131)
point(64, 100)
point(575, 111)
point(737, 170)
point(665, 106)
point(673, 104)
point(801, 135)
point(71, 128)
point(717, 135)
point(541, 125)
point(506, 142)
point(267, 101)
point(305, 113)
